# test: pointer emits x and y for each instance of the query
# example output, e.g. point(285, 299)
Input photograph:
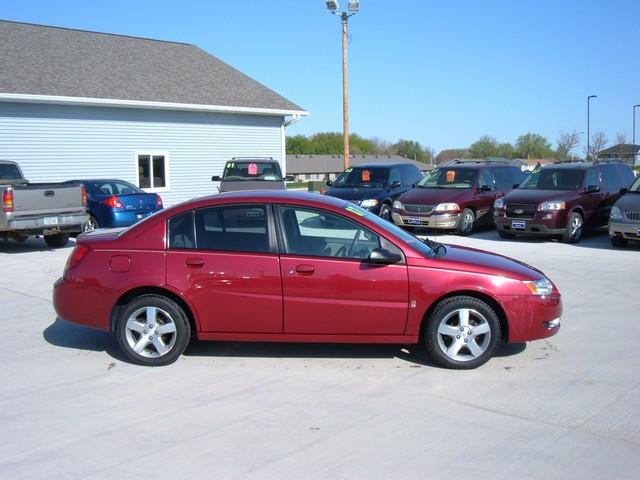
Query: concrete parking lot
point(71, 407)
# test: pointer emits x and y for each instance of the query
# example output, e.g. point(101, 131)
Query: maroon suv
point(456, 197)
point(562, 198)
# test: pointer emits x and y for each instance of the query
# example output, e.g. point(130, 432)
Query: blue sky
point(442, 73)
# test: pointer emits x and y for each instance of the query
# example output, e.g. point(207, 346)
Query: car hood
point(629, 201)
point(354, 193)
point(526, 197)
point(433, 196)
point(479, 261)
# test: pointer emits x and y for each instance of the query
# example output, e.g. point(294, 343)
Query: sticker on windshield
point(231, 165)
point(355, 210)
point(451, 176)
point(252, 169)
point(349, 170)
point(269, 177)
point(366, 176)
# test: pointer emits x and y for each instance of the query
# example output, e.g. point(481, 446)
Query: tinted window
point(319, 233)
point(507, 177)
point(553, 179)
point(252, 170)
point(410, 175)
point(612, 182)
point(181, 234)
point(487, 178)
point(593, 178)
point(394, 176)
point(362, 177)
point(107, 187)
point(626, 174)
point(9, 171)
point(462, 178)
point(234, 228)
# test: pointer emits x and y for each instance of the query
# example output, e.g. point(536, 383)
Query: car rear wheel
point(573, 232)
point(91, 224)
point(152, 330)
point(58, 240)
point(466, 223)
point(503, 234)
point(385, 212)
point(462, 332)
point(618, 241)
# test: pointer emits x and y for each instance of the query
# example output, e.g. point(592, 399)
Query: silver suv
point(624, 220)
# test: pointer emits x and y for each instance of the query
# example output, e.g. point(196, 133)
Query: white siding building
point(165, 116)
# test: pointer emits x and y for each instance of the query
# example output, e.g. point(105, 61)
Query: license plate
point(518, 224)
point(50, 220)
point(414, 221)
point(638, 232)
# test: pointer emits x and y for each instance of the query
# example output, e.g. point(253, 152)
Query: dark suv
point(375, 186)
point(457, 196)
point(562, 198)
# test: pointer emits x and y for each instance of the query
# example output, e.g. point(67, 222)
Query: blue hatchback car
point(116, 203)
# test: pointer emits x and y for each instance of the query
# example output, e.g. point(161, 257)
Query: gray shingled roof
point(42, 60)
point(621, 149)
point(297, 164)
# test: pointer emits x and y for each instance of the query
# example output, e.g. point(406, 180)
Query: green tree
point(506, 150)
point(533, 145)
point(451, 154)
point(410, 149)
point(298, 144)
point(484, 147)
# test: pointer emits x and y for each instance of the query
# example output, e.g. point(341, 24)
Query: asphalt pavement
point(71, 406)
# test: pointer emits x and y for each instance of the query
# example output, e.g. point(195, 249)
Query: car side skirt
point(302, 338)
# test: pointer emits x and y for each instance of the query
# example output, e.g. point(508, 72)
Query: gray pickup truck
point(53, 210)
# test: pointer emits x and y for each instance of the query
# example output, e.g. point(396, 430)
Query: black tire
point(21, 238)
point(58, 240)
point(618, 241)
point(132, 329)
point(506, 235)
point(467, 222)
point(573, 232)
point(451, 347)
point(91, 225)
point(385, 212)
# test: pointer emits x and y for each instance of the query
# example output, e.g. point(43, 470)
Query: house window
point(152, 171)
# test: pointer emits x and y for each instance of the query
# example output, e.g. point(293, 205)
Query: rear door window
point(487, 178)
point(410, 175)
point(593, 178)
point(626, 174)
point(610, 177)
point(394, 176)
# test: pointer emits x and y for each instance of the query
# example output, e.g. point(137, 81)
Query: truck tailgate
point(43, 198)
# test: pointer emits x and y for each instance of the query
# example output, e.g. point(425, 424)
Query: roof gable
point(41, 60)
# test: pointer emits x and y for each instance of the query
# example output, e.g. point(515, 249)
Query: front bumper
point(446, 221)
point(532, 317)
point(629, 231)
point(543, 223)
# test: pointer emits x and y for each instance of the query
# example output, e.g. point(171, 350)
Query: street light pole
point(588, 115)
point(634, 123)
point(354, 7)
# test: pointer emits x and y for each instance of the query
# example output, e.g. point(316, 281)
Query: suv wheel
point(58, 240)
point(618, 241)
point(462, 332)
point(385, 212)
point(573, 232)
point(466, 223)
point(503, 234)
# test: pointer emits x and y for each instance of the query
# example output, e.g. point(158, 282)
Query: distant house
point(623, 152)
point(321, 167)
point(525, 164)
point(165, 116)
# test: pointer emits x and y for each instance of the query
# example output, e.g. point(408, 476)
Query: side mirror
point(382, 256)
point(485, 188)
point(329, 183)
point(623, 191)
point(516, 185)
point(395, 184)
point(216, 178)
point(592, 188)
point(289, 178)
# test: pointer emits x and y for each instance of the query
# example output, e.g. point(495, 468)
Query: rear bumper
point(445, 221)
point(630, 231)
point(117, 219)
point(46, 224)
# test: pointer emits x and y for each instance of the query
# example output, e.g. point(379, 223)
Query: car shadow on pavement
point(31, 245)
point(68, 335)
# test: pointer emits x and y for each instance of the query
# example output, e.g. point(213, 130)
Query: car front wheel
point(618, 241)
point(152, 330)
point(466, 223)
point(573, 232)
point(462, 333)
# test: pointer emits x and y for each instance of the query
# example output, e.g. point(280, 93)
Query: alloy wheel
point(464, 334)
point(150, 332)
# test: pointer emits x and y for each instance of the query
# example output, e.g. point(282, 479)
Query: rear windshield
point(252, 170)
point(111, 187)
point(553, 179)
point(362, 177)
point(9, 171)
point(462, 178)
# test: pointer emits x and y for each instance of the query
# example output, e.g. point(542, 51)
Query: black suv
point(562, 198)
point(375, 186)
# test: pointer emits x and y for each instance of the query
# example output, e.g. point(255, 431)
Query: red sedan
point(293, 267)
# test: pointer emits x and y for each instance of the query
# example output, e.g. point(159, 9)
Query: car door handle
point(194, 262)
point(305, 269)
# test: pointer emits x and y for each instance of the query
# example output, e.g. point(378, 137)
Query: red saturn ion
point(297, 267)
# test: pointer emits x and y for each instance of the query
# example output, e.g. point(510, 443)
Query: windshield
point(635, 186)
point(387, 226)
point(462, 178)
point(9, 171)
point(553, 179)
point(252, 170)
point(362, 177)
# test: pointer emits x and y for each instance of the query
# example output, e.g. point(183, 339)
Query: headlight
point(447, 207)
point(398, 205)
point(499, 203)
point(542, 287)
point(616, 214)
point(368, 203)
point(552, 205)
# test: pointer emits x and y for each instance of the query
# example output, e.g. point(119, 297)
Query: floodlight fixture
point(354, 5)
point(332, 5)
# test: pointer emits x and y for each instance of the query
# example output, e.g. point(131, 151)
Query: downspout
point(294, 118)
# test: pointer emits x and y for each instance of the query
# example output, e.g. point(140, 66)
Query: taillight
point(113, 202)
point(76, 256)
point(84, 196)
point(158, 202)
point(7, 200)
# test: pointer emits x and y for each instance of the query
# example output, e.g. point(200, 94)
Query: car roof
point(578, 165)
point(382, 165)
point(87, 180)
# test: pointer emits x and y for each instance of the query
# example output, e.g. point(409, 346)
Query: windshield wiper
point(433, 245)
